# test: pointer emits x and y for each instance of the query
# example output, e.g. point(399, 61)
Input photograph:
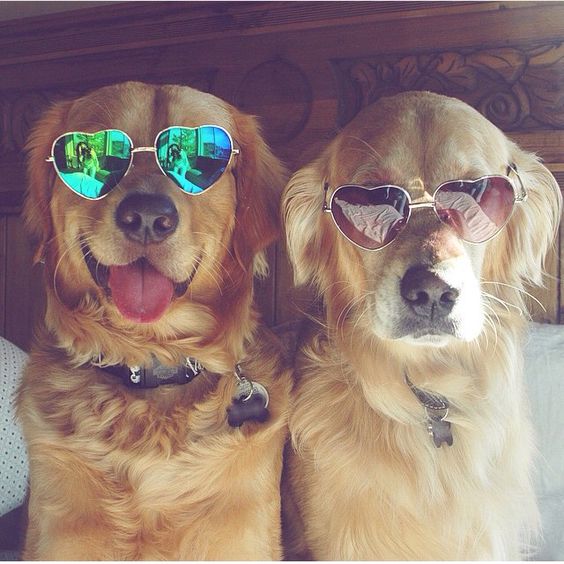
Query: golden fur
point(364, 479)
point(124, 474)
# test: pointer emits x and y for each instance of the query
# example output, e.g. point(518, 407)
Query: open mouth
point(139, 291)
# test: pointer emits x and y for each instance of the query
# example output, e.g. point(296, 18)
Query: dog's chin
point(428, 339)
point(440, 335)
point(139, 291)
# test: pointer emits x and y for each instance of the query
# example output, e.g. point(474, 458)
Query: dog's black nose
point(147, 218)
point(426, 294)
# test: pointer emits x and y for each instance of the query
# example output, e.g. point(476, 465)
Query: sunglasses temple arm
point(523, 196)
point(50, 160)
point(325, 207)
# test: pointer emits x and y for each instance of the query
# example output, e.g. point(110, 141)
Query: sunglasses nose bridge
point(437, 216)
point(423, 219)
point(417, 205)
point(420, 213)
point(141, 157)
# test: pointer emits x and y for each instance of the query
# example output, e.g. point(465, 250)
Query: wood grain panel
point(264, 289)
point(153, 24)
point(25, 300)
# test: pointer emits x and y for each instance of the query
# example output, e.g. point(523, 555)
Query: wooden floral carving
point(515, 87)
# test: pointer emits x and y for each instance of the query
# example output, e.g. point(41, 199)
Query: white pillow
point(544, 373)
point(13, 455)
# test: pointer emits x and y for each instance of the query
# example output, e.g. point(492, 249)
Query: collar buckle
point(157, 374)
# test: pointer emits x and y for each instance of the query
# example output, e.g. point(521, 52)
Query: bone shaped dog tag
point(250, 403)
point(440, 431)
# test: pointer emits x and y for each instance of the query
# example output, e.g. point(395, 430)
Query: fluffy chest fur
point(369, 480)
point(149, 474)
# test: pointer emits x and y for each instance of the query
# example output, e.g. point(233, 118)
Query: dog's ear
point(520, 252)
point(41, 177)
point(302, 205)
point(260, 177)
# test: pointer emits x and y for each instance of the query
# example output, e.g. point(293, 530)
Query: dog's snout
point(427, 294)
point(147, 218)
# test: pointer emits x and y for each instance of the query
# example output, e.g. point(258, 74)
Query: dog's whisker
point(213, 275)
point(356, 323)
point(487, 318)
point(347, 309)
point(78, 216)
point(55, 238)
point(491, 311)
point(312, 317)
point(106, 112)
point(517, 289)
point(337, 282)
point(505, 304)
point(216, 240)
point(372, 150)
point(64, 254)
point(216, 271)
point(208, 254)
point(216, 267)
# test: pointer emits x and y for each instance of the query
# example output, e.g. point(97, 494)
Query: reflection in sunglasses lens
point(476, 209)
point(371, 218)
point(194, 158)
point(91, 164)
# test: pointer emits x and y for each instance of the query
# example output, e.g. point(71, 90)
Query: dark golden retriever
point(418, 225)
point(149, 271)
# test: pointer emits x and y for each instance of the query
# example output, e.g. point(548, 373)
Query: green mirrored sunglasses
point(92, 164)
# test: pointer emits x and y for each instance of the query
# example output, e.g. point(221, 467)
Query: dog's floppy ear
point(531, 230)
point(41, 177)
point(260, 177)
point(302, 204)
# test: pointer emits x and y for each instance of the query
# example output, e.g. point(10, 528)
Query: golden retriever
point(410, 427)
point(145, 280)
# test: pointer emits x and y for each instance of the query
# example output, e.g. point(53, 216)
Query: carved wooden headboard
point(305, 67)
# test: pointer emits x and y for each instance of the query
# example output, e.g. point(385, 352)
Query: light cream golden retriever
point(147, 282)
point(410, 428)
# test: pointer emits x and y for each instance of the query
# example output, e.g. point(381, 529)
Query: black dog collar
point(250, 402)
point(158, 374)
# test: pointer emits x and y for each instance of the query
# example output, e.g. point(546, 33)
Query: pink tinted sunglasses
point(372, 217)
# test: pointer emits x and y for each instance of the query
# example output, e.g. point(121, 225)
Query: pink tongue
point(140, 292)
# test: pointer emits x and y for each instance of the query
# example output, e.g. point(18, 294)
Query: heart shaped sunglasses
point(92, 164)
point(477, 210)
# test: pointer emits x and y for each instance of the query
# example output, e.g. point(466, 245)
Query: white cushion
point(544, 373)
point(13, 455)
